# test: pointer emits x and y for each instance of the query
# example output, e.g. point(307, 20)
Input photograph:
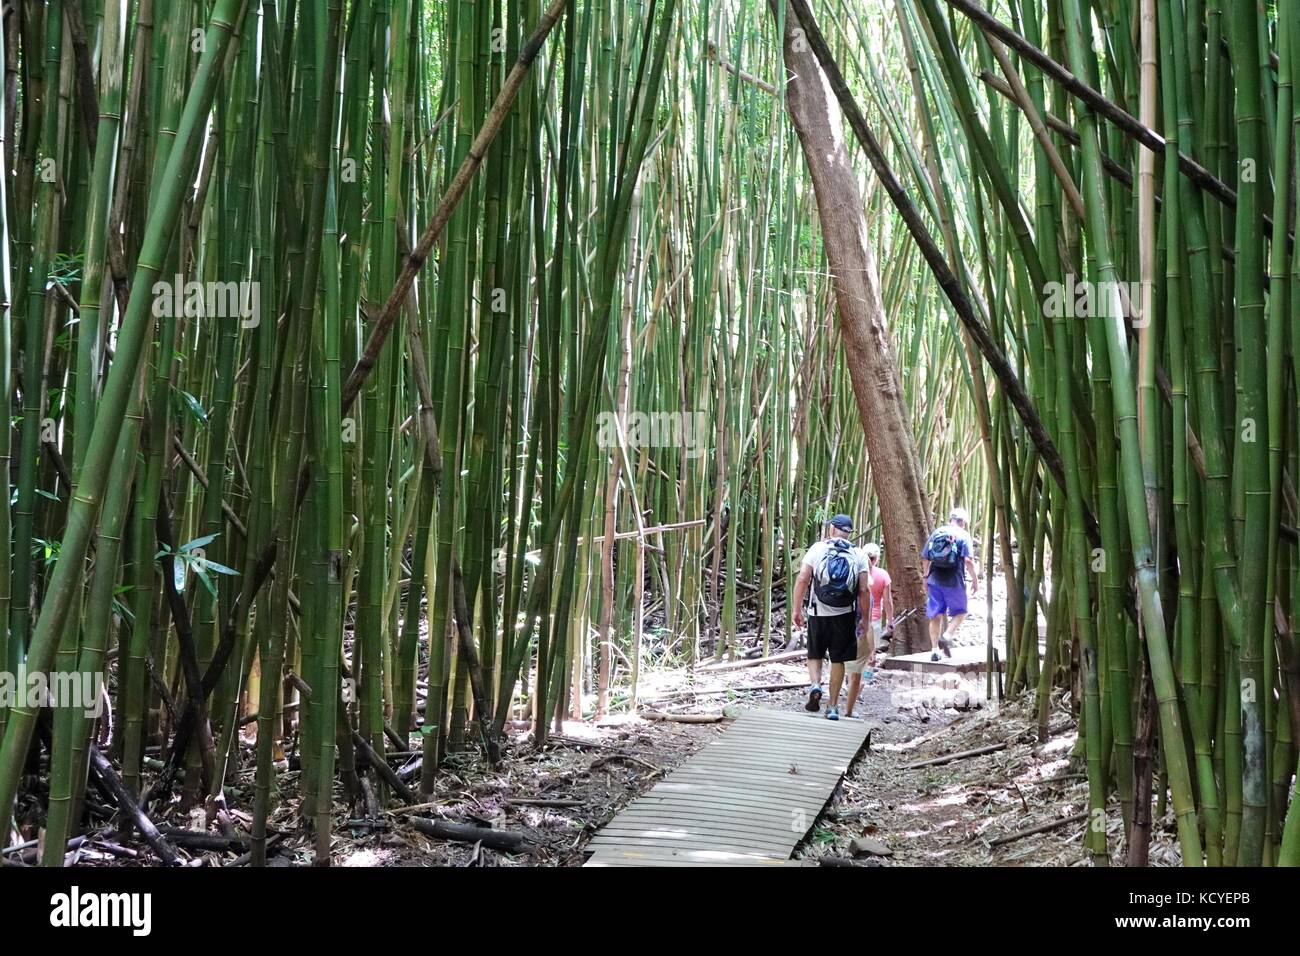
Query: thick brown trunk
point(868, 347)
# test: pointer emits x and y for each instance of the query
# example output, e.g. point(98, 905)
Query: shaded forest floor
point(557, 797)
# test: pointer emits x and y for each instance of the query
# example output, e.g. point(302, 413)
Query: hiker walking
point(882, 602)
point(945, 559)
point(839, 578)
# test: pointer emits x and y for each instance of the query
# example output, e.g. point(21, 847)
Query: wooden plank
point(758, 764)
point(700, 843)
point(684, 792)
point(736, 800)
point(749, 814)
point(765, 758)
point(777, 822)
point(812, 724)
point(789, 719)
point(789, 764)
point(768, 784)
point(774, 826)
point(779, 746)
point(668, 857)
point(787, 741)
point(711, 803)
point(850, 733)
point(740, 795)
point(672, 834)
point(779, 763)
point(706, 807)
point(713, 800)
point(783, 843)
point(777, 845)
point(815, 741)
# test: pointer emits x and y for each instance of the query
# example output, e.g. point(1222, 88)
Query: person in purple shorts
point(946, 558)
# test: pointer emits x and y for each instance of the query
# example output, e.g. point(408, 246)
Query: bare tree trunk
point(868, 348)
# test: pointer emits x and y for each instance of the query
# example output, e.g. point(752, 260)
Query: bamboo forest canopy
point(383, 373)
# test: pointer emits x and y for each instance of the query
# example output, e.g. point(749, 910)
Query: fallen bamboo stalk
point(752, 662)
point(385, 772)
point(199, 840)
point(959, 755)
point(506, 840)
point(1040, 828)
point(130, 808)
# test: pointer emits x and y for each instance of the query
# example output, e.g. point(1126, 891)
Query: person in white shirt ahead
point(840, 579)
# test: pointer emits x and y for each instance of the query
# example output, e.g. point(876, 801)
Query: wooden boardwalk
point(746, 799)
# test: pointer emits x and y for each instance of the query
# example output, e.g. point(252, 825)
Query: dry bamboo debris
point(630, 758)
point(960, 755)
point(1039, 828)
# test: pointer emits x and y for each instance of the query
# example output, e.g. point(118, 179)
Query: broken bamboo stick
point(752, 662)
point(959, 755)
point(130, 808)
point(1040, 828)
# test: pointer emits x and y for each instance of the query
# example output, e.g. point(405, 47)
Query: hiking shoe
point(946, 645)
point(832, 713)
point(814, 699)
point(934, 655)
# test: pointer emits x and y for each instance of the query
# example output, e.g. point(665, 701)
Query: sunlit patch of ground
point(366, 856)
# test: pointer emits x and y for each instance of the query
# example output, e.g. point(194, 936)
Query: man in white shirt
point(840, 581)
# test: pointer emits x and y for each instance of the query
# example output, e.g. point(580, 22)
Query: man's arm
point(887, 605)
point(800, 591)
point(864, 600)
point(973, 570)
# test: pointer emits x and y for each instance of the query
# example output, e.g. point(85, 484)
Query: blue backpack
point(834, 580)
point(941, 550)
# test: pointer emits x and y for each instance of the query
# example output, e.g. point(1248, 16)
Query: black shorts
point(834, 636)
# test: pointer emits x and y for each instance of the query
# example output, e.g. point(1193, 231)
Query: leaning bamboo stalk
point(455, 192)
point(1092, 98)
